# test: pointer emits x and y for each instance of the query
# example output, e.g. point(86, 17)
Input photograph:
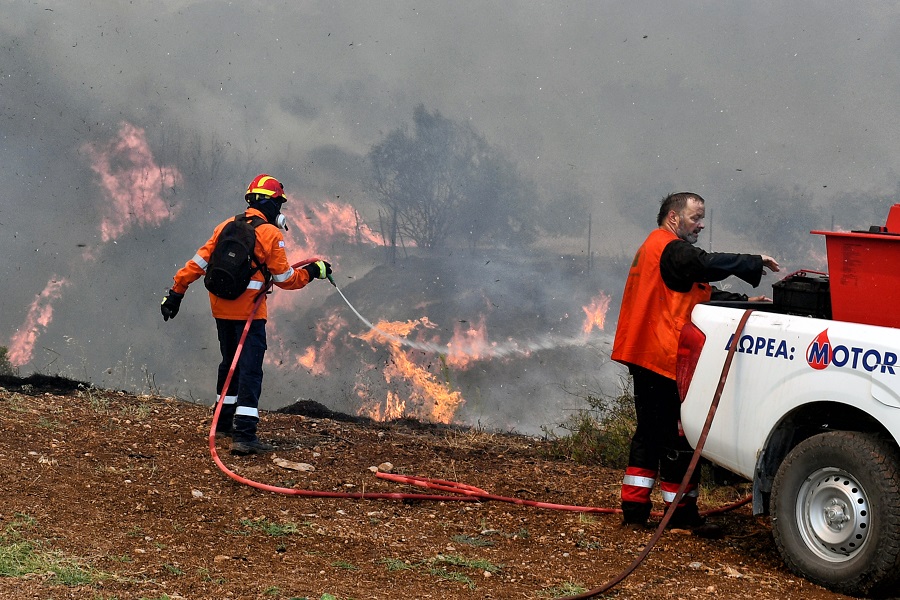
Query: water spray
point(510, 348)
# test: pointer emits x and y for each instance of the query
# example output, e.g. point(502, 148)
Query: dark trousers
point(242, 416)
point(658, 444)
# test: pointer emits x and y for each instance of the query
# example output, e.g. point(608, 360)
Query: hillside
point(112, 496)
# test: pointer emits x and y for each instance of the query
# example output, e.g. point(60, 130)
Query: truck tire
point(836, 512)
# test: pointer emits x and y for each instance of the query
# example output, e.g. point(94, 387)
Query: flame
point(328, 331)
point(317, 226)
point(429, 399)
point(397, 328)
point(133, 182)
point(595, 313)
point(432, 400)
point(468, 344)
point(394, 408)
point(40, 314)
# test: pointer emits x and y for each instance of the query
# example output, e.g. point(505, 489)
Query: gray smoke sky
point(624, 101)
point(679, 93)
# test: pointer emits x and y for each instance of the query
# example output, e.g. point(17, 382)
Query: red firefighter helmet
point(265, 185)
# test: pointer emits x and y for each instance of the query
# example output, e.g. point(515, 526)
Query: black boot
point(254, 447)
point(635, 513)
point(688, 517)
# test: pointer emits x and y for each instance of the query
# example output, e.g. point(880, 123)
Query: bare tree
point(444, 180)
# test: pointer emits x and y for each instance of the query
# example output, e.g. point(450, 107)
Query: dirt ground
point(120, 498)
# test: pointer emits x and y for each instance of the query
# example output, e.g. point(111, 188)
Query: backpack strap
point(255, 221)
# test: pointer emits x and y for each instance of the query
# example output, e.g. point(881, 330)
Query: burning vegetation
point(479, 337)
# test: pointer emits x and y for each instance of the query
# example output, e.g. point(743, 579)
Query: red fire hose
point(471, 493)
point(474, 492)
point(695, 458)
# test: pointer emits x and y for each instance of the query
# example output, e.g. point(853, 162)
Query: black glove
point(170, 304)
point(318, 270)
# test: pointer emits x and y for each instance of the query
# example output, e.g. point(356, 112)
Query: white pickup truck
point(810, 413)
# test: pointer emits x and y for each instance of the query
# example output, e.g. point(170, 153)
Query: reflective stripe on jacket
point(269, 250)
point(652, 314)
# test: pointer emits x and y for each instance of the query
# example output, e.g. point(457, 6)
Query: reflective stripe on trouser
point(637, 485)
point(226, 413)
point(247, 411)
point(246, 383)
point(670, 490)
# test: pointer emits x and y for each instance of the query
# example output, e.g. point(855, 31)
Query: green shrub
point(599, 434)
point(6, 367)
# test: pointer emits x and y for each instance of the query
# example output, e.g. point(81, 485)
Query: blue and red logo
point(821, 353)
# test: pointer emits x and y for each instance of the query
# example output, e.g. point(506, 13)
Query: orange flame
point(595, 313)
point(468, 344)
point(396, 328)
point(40, 314)
point(316, 357)
point(429, 398)
point(132, 180)
point(393, 408)
point(317, 226)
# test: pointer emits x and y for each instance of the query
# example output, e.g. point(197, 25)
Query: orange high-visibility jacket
point(652, 314)
point(269, 250)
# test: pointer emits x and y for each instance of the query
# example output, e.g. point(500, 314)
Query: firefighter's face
point(690, 221)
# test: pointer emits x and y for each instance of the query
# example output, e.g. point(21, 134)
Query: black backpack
point(232, 263)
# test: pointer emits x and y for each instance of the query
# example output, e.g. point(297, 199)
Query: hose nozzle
point(331, 279)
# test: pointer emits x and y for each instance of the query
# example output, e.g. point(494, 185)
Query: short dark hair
point(676, 202)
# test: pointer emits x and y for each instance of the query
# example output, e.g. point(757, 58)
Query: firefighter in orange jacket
point(668, 277)
point(239, 415)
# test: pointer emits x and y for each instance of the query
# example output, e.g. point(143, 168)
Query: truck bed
point(783, 363)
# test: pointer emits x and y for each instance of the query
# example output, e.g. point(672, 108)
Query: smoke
point(130, 131)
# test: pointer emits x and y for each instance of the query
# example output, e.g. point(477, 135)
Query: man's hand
point(759, 299)
point(318, 270)
point(771, 263)
point(170, 304)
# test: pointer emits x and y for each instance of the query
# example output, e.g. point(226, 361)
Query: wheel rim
point(833, 514)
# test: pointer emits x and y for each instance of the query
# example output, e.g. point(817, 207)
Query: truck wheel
point(836, 512)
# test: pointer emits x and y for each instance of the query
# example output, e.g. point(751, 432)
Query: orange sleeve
point(195, 268)
point(270, 248)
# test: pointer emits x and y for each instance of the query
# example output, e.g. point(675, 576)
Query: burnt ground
point(113, 496)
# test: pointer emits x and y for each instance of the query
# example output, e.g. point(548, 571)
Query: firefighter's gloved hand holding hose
point(319, 269)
